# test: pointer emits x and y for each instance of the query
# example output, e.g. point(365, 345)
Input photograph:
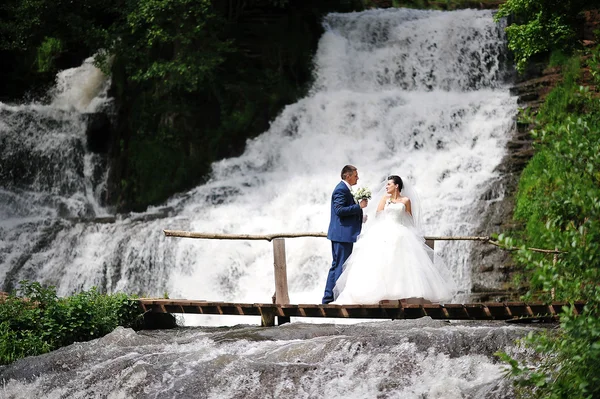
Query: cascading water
point(47, 176)
point(420, 94)
point(412, 359)
point(414, 93)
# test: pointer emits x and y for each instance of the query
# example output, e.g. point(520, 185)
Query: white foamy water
point(83, 89)
point(414, 93)
point(46, 173)
point(400, 359)
point(45, 168)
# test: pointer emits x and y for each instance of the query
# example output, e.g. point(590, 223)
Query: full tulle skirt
point(391, 261)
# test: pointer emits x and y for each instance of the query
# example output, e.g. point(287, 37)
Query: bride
point(391, 260)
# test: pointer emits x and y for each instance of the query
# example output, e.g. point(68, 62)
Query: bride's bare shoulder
point(382, 202)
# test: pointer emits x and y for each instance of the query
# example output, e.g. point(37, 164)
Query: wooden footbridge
point(281, 310)
point(270, 312)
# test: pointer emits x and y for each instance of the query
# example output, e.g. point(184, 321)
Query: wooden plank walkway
point(385, 310)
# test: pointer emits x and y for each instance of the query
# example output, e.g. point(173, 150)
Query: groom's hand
point(364, 202)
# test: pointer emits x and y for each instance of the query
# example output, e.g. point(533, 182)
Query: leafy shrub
point(34, 320)
point(559, 202)
point(47, 52)
point(540, 26)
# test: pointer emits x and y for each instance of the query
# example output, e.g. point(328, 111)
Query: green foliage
point(27, 23)
point(593, 63)
point(15, 345)
point(567, 98)
point(187, 108)
point(558, 58)
point(540, 26)
point(47, 53)
point(559, 203)
point(163, 39)
point(35, 321)
point(570, 358)
point(29, 61)
point(169, 171)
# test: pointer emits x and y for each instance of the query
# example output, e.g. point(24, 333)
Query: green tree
point(172, 44)
point(541, 26)
point(167, 59)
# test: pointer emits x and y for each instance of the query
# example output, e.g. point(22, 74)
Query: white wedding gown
point(390, 260)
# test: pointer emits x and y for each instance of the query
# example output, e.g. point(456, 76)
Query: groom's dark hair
point(397, 180)
point(347, 171)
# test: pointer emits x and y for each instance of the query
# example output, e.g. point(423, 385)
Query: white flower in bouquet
point(362, 193)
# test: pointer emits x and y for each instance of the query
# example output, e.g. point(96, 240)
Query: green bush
point(34, 320)
point(540, 26)
point(558, 203)
point(48, 51)
point(15, 345)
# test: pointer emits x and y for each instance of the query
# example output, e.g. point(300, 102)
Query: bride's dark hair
point(397, 180)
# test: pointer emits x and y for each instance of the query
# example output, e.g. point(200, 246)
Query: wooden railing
point(281, 295)
point(281, 298)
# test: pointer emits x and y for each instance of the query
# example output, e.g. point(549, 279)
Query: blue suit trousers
point(340, 251)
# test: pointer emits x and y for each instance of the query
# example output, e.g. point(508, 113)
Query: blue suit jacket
point(346, 216)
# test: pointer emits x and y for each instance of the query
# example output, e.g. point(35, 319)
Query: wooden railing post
point(281, 285)
point(554, 260)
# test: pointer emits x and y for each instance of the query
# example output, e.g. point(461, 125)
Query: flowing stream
point(421, 94)
point(394, 359)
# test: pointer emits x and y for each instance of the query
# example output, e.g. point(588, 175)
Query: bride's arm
point(407, 205)
point(381, 203)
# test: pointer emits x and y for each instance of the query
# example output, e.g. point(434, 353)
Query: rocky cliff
point(493, 268)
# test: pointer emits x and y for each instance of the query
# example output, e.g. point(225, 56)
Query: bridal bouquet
point(362, 193)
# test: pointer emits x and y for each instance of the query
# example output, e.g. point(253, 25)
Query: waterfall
point(420, 94)
point(47, 176)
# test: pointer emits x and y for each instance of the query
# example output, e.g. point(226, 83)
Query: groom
point(344, 227)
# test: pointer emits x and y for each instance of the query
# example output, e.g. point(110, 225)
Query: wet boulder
point(98, 132)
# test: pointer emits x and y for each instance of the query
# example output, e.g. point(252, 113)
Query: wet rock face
point(407, 358)
point(98, 132)
point(590, 23)
point(494, 268)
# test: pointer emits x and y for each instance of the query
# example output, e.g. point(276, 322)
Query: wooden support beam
point(519, 309)
point(435, 311)
point(267, 316)
point(478, 311)
point(498, 310)
point(540, 309)
point(457, 311)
